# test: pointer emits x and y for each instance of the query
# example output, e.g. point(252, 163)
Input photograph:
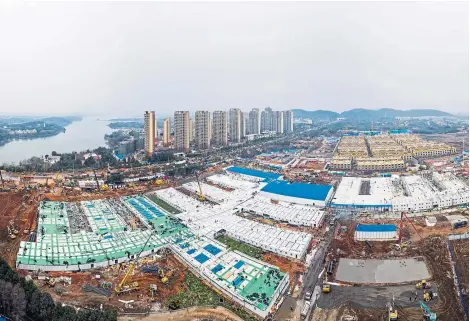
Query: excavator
point(123, 286)
point(11, 235)
point(428, 315)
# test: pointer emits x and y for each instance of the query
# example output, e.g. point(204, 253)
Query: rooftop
point(299, 190)
point(253, 172)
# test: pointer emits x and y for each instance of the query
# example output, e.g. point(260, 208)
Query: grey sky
point(124, 58)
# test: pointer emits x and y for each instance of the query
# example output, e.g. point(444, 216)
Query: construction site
point(243, 239)
point(419, 249)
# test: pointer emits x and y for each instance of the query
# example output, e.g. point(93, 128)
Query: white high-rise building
point(166, 132)
point(288, 121)
point(203, 134)
point(149, 132)
point(191, 130)
point(235, 125)
point(219, 128)
point(267, 123)
point(278, 122)
point(182, 131)
point(254, 121)
point(244, 125)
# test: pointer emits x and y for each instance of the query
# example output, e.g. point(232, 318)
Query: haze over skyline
point(123, 58)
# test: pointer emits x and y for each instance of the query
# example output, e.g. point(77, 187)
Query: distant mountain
point(365, 114)
point(315, 114)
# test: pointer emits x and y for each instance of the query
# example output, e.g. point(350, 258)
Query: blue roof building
point(308, 194)
point(375, 232)
point(262, 176)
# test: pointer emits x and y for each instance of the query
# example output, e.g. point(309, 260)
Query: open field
point(198, 293)
point(255, 252)
point(167, 207)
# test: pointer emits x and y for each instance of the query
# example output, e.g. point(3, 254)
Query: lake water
point(79, 136)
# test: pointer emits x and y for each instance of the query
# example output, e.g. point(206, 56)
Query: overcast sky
point(123, 58)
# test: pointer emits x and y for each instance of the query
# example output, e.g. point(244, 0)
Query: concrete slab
point(381, 271)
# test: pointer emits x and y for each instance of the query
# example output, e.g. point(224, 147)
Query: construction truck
point(104, 187)
point(159, 182)
point(392, 312)
point(423, 285)
point(326, 288)
point(428, 315)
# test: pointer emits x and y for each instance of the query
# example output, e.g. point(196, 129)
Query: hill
point(369, 114)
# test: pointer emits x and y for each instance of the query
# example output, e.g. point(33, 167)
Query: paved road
point(310, 281)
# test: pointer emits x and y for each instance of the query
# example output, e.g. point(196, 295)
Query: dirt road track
point(191, 314)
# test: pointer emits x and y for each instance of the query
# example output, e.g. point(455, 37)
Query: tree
point(90, 162)
point(18, 302)
point(47, 306)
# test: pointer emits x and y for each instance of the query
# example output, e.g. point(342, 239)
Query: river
point(87, 133)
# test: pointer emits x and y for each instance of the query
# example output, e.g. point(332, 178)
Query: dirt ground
point(461, 260)
point(192, 314)
point(433, 247)
point(21, 208)
point(73, 294)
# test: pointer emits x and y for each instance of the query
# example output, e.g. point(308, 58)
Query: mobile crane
point(201, 196)
point(123, 286)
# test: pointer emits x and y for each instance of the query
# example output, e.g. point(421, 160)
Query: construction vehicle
point(392, 312)
point(123, 286)
point(201, 195)
point(10, 233)
point(153, 292)
point(96, 180)
point(428, 315)
point(13, 229)
point(104, 187)
point(159, 182)
point(423, 285)
point(326, 288)
point(428, 295)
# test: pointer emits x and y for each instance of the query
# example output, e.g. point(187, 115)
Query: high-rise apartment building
point(181, 141)
point(278, 122)
point(235, 125)
point(149, 132)
point(288, 121)
point(166, 132)
point(254, 121)
point(267, 122)
point(191, 130)
point(219, 128)
point(202, 125)
point(244, 126)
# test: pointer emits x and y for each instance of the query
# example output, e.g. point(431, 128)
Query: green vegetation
point(21, 299)
point(196, 293)
point(167, 207)
point(241, 247)
point(126, 124)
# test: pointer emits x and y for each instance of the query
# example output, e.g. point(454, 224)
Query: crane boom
point(201, 195)
point(131, 268)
